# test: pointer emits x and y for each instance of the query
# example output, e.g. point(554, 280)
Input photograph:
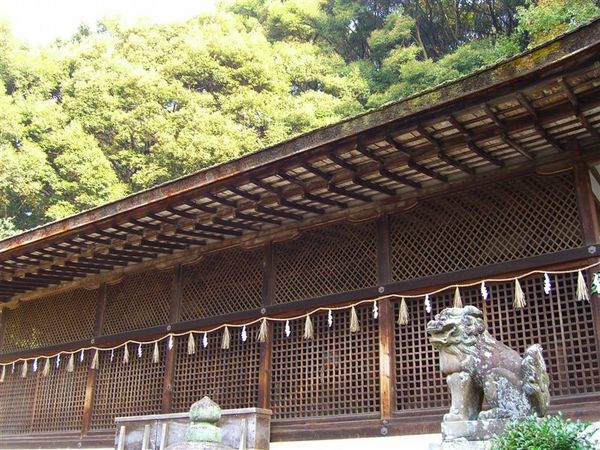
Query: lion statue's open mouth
point(479, 366)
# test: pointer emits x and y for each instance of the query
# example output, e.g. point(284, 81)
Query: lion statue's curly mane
point(478, 366)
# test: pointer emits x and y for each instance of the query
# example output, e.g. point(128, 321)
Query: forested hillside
point(117, 109)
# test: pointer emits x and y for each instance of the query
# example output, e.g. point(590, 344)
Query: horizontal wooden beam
point(200, 235)
point(217, 230)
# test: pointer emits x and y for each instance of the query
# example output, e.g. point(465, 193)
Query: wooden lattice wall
point(229, 377)
point(325, 261)
point(139, 301)
point(334, 374)
point(16, 404)
point(130, 389)
point(561, 324)
point(337, 373)
point(57, 319)
point(43, 404)
point(503, 222)
point(222, 283)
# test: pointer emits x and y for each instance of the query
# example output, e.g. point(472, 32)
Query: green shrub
point(550, 433)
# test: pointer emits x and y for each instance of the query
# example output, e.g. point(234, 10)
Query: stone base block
point(462, 445)
point(473, 430)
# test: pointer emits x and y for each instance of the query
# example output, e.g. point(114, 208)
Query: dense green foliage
point(118, 109)
point(549, 433)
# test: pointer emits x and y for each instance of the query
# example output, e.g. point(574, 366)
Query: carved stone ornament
point(203, 433)
point(478, 366)
point(204, 415)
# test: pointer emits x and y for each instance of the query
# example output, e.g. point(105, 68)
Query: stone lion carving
point(479, 366)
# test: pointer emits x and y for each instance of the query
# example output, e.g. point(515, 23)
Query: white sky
point(42, 21)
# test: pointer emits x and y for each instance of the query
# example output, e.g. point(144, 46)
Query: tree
point(546, 19)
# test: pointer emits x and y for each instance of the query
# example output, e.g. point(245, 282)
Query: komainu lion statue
point(479, 366)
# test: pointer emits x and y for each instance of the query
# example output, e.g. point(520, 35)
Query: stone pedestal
point(470, 434)
point(462, 445)
point(161, 430)
point(473, 430)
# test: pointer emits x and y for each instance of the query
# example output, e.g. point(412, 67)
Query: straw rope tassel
point(263, 331)
point(71, 363)
point(191, 344)
point(519, 300)
point(155, 354)
point(596, 283)
point(457, 300)
point(3, 374)
point(225, 341)
point(24, 371)
point(308, 328)
point(547, 284)
point(582, 290)
point(126, 355)
point(46, 369)
point(484, 291)
point(403, 313)
point(354, 324)
point(95, 360)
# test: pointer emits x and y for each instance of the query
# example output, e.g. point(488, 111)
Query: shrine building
point(300, 278)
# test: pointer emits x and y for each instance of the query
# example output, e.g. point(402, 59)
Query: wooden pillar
point(590, 228)
point(90, 386)
point(266, 348)
point(176, 291)
point(3, 321)
point(587, 204)
point(384, 247)
point(387, 363)
point(265, 370)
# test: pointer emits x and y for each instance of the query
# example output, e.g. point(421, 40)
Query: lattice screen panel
point(60, 396)
point(132, 389)
point(339, 258)
point(222, 283)
point(229, 377)
point(561, 324)
point(16, 399)
point(39, 404)
point(141, 300)
point(503, 222)
point(420, 384)
point(56, 319)
point(335, 374)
